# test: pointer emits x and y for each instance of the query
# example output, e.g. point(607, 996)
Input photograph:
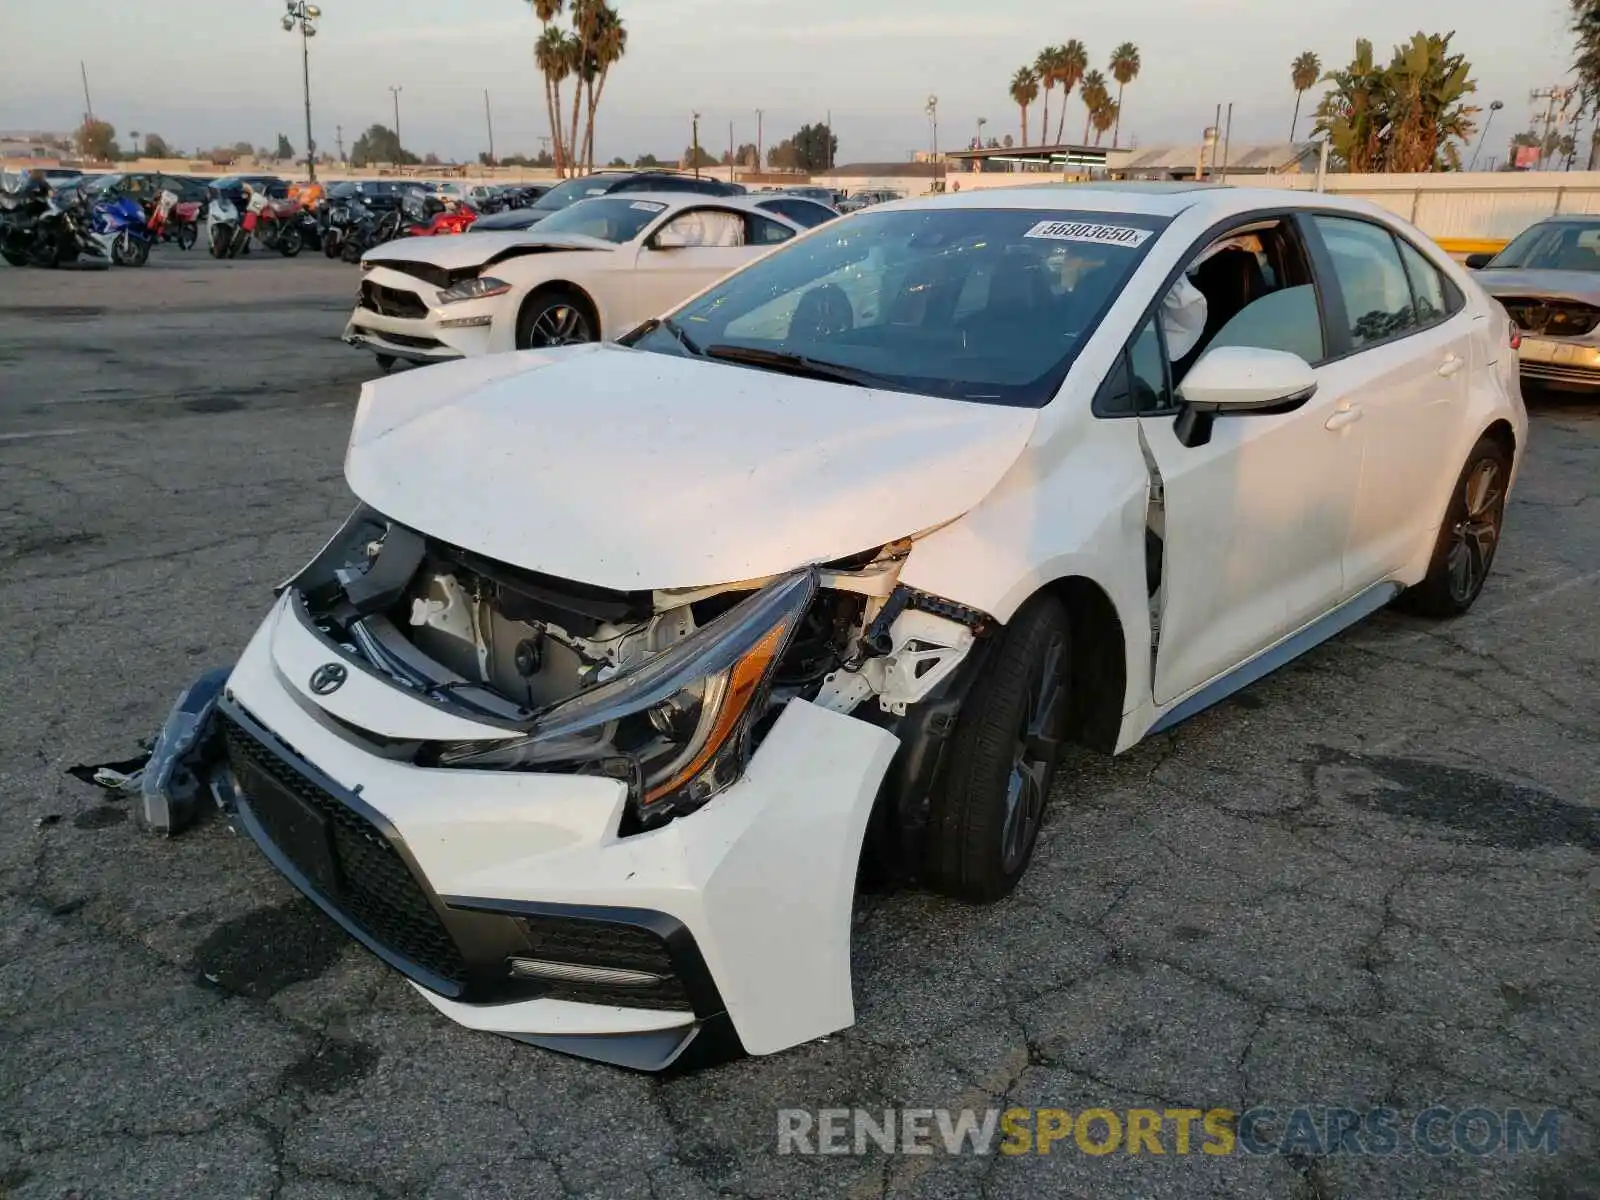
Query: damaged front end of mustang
point(495, 732)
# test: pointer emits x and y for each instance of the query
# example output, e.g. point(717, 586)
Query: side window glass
point(705, 227)
point(767, 233)
point(1426, 284)
point(1377, 295)
point(1283, 320)
point(1137, 382)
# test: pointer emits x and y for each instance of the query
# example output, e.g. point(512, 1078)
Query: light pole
point(694, 145)
point(299, 13)
point(982, 121)
point(761, 163)
point(399, 146)
point(933, 156)
point(1494, 107)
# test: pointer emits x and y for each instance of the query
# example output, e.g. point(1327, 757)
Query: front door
point(689, 252)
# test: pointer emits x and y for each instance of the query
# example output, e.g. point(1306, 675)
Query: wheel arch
point(1501, 432)
point(1098, 685)
point(578, 293)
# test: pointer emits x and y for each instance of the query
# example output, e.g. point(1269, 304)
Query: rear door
point(1404, 364)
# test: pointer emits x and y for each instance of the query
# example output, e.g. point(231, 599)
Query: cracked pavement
point(1371, 878)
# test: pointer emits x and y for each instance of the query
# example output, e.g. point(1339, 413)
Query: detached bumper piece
point(351, 862)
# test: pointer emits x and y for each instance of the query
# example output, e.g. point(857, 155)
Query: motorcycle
point(369, 231)
point(429, 216)
point(226, 235)
point(44, 229)
point(119, 227)
point(334, 221)
point(274, 224)
point(170, 221)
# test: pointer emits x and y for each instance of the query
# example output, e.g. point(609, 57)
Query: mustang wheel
point(988, 808)
point(1468, 538)
point(556, 318)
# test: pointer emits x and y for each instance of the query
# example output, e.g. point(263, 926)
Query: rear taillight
point(1516, 336)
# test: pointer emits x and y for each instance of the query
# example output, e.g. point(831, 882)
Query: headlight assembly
point(480, 288)
point(679, 725)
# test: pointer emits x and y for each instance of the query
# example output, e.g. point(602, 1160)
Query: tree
point(618, 161)
point(609, 42)
point(1048, 68)
point(1104, 117)
point(747, 156)
point(647, 160)
point(1074, 62)
point(1124, 69)
point(285, 151)
point(697, 156)
point(155, 146)
point(430, 159)
point(379, 144)
point(1008, 143)
point(97, 140)
point(1586, 64)
point(550, 54)
point(1024, 91)
point(1408, 116)
point(1304, 72)
point(811, 148)
point(1092, 91)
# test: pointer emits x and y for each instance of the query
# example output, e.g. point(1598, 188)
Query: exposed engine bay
point(670, 691)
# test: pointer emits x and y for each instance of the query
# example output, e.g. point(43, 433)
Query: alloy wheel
point(1475, 536)
point(559, 325)
point(1038, 743)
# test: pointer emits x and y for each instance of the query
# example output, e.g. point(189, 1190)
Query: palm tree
point(586, 31)
point(1105, 117)
point(545, 54)
point(553, 53)
point(1586, 63)
point(611, 43)
point(1092, 91)
point(1074, 62)
point(1304, 72)
point(1124, 69)
point(1048, 68)
point(1024, 91)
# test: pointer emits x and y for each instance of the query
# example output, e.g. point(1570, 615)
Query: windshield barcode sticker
point(646, 206)
point(1079, 231)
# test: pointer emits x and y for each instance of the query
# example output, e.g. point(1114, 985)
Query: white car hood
point(470, 249)
point(632, 471)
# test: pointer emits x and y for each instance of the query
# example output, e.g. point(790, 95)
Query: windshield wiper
point(800, 364)
point(684, 340)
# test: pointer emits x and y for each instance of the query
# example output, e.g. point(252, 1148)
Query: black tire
point(15, 259)
point(350, 252)
point(218, 242)
point(1468, 538)
point(989, 806)
point(288, 241)
point(331, 247)
point(186, 237)
point(557, 317)
point(386, 363)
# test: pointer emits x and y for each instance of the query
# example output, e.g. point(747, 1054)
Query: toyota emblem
point(328, 678)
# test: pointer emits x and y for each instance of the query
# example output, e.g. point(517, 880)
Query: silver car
point(1548, 278)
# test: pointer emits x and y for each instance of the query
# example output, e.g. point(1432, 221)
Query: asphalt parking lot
point(1370, 879)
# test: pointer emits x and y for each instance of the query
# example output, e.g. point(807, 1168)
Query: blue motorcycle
point(119, 227)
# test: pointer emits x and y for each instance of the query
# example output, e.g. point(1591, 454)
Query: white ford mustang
point(586, 718)
point(587, 273)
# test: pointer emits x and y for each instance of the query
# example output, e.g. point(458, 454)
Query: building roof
point(1269, 156)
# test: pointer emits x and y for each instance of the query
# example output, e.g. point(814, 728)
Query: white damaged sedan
point(631, 654)
point(590, 272)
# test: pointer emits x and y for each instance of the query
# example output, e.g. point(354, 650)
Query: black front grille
point(606, 944)
point(354, 866)
point(391, 302)
point(1553, 318)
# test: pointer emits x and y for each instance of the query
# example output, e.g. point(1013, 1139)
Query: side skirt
point(1292, 647)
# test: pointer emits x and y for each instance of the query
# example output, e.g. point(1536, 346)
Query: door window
point(1138, 383)
point(1377, 295)
point(1427, 285)
point(767, 233)
point(705, 227)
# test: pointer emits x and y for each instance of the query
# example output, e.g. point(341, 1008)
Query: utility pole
point(299, 13)
point(694, 145)
point(88, 104)
point(1227, 140)
point(933, 145)
point(399, 146)
point(489, 117)
point(730, 151)
point(338, 137)
point(830, 142)
point(761, 162)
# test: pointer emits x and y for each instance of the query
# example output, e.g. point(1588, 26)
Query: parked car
point(586, 718)
point(803, 211)
point(1548, 278)
point(866, 198)
point(822, 195)
point(602, 183)
point(591, 271)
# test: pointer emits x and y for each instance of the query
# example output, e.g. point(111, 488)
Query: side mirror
point(670, 239)
point(1231, 380)
point(1476, 262)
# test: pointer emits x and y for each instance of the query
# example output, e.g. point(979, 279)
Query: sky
point(208, 72)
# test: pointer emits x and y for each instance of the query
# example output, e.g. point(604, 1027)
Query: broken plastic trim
point(877, 642)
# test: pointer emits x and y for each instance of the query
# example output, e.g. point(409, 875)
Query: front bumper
point(740, 911)
point(399, 315)
point(1560, 361)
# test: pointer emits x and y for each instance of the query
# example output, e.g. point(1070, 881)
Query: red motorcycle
point(172, 221)
point(426, 215)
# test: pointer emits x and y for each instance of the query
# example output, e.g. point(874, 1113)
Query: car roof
point(744, 202)
point(1139, 197)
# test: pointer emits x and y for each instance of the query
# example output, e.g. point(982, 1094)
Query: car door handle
point(1345, 414)
point(1451, 364)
